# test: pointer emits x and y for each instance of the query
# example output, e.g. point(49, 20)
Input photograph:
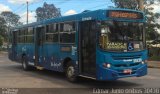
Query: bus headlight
point(106, 65)
point(144, 62)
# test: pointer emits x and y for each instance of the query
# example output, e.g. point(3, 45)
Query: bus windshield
point(116, 35)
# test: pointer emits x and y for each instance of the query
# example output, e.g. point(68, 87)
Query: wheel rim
point(70, 72)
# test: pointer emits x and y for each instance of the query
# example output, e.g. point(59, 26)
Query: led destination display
point(125, 14)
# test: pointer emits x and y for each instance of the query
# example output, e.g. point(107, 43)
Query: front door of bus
point(87, 49)
point(39, 45)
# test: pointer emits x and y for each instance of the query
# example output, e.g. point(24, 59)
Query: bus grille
point(126, 65)
point(126, 57)
point(119, 67)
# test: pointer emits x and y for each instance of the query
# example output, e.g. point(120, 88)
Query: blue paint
point(51, 57)
point(116, 72)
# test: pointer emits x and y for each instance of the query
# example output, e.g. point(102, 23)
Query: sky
point(67, 7)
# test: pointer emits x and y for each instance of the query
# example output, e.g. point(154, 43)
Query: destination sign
point(125, 14)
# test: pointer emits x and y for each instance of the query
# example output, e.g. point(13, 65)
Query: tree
point(47, 11)
point(11, 19)
point(131, 4)
point(1, 41)
point(3, 27)
point(152, 26)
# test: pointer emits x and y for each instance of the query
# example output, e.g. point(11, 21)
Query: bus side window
point(21, 36)
point(52, 34)
point(67, 32)
point(29, 35)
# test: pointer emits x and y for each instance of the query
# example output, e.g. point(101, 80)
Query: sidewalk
point(3, 53)
point(153, 64)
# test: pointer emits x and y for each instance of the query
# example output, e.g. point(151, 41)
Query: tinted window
point(21, 35)
point(52, 34)
point(26, 35)
point(52, 28)
point(67, 33)
point(29, 36)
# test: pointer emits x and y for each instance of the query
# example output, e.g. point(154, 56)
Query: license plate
point(127, 71)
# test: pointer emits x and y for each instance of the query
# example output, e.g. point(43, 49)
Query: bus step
point(39, 67)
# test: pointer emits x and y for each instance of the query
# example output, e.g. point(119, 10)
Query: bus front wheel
point(71, 73)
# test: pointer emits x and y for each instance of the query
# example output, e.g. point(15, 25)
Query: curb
point(153, 64)
point(153, 67)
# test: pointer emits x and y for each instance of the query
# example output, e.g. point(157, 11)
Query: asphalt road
point(12, 76)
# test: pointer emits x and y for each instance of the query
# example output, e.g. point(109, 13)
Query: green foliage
point(8, 20)
point(1, 40)
point(3, 27)
point(152, 25)
point(11, 19)
point(154, 58)
point(47, 11)
point(154, 53)
point(130, 4)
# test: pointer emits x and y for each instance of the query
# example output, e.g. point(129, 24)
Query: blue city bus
point(102, 45)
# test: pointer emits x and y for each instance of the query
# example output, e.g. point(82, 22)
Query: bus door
point(87, 48)
point(14, 45)
point(39, 45)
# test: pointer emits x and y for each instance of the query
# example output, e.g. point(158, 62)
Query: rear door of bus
point(39, 35)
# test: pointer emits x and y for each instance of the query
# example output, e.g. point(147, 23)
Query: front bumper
point(109, 74)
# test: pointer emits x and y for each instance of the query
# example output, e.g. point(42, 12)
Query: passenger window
point(67, 33)
point(29, 36)
point(21, 36)
point(52, 34)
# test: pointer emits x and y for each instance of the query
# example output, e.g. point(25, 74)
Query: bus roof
point(96, 14)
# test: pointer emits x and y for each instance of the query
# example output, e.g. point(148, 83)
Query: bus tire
point(71, 72)
point(25, 65)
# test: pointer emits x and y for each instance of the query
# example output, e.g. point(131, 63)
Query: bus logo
point(86, 18)
point(130, 46)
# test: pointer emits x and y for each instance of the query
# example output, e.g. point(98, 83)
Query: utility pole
point(27, 12)
point(141, 4)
